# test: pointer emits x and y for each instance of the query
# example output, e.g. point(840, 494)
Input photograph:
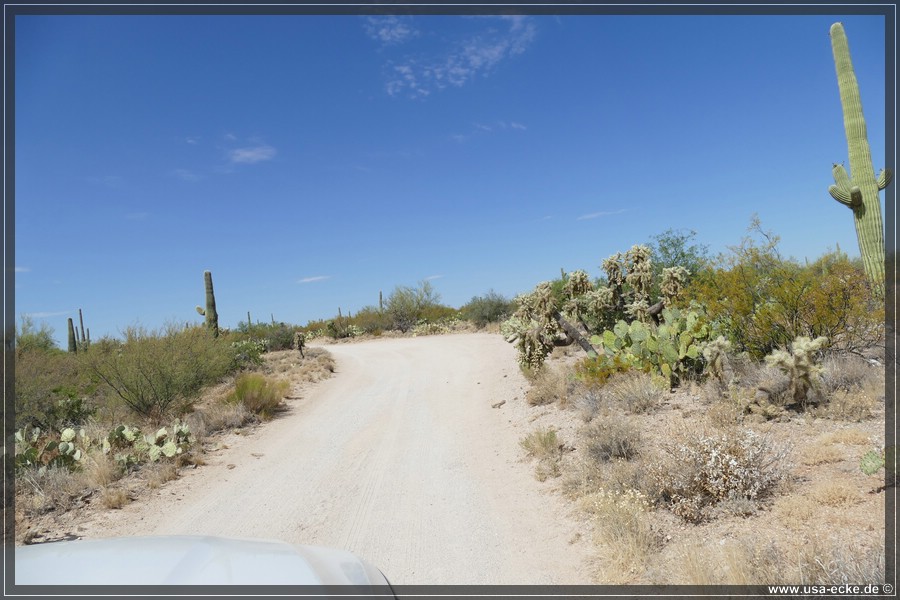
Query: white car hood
point(189, 560)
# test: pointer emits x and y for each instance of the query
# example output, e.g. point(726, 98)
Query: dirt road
point(398, 458)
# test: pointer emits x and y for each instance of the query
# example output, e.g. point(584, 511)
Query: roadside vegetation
point(91, 420)
point(726, 414)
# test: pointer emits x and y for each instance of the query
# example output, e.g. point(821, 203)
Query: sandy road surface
point(398, 458)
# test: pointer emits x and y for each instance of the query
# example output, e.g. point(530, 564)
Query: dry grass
point(544, 445)
point(54, 489)
point(836, 493)
point(100, 469)
point(541, 443)
point(819, 454)
point(259, 394)
point(854, 405)
point(549, 385)
point(848, 373)
point(851, 437)
point(796, 510)
point(830, 563)
point(732, 563)
point(623, 531)
point(161, 473)
point(588, 401)
point(611, 438)
point(635, 391)
point(113, 498)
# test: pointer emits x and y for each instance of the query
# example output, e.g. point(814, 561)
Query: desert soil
point(399, 458)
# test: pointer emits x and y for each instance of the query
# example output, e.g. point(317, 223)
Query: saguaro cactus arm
point(884, 179)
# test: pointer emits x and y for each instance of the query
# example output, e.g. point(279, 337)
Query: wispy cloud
point(230, 137)
point(602, 213)
point(313, 279)
point(253, 154)
point(138, 216)
point(44, 315)
point(22, 269)
point(192, 140)
point(476, 55)
point(486, 128)
point(390, 30)
point(433, 277)
point(186, 175)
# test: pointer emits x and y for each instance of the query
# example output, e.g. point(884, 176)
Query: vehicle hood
point(180, 560)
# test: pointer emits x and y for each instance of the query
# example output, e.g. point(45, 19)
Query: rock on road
point(398, 458)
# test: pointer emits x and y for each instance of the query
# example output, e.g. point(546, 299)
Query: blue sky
point(311, 161)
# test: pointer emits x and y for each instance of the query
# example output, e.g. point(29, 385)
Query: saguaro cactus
point(73, 345)
point(859, 190)
point(212, 317)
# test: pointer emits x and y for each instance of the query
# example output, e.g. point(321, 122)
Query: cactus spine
point(859, 190)
point(212, 317)
point(73, 345)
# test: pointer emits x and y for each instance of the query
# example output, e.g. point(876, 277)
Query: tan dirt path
point(398, 458)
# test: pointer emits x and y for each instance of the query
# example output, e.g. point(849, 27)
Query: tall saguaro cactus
point(212, 317)
point(73, 345)
point(859, 190)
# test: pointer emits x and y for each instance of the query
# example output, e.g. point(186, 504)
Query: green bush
point(51, 390)
point(158, 375)
point(762, 302)
point(490, 308)
point(259, 394)
point(30, 337)
point(370, 320)
point(406, 306)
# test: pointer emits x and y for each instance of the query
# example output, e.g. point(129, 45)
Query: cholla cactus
point(640, 272)
point(533, 326)
point(615, 276)
point(799, 365)
point(673, 281)
point(578, 284)
point(716, 355)
point(639, 310)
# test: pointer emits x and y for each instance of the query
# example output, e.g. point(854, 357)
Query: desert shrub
point(51, 390)
point(706, 469)
point(259, 394)
point(31, 337)
point(610, 439)
point(637, 392)
point(762, 301)
point(406, 305)
point(675, 248)
point(490, 308)
point(370, 320)
point(158, 375)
